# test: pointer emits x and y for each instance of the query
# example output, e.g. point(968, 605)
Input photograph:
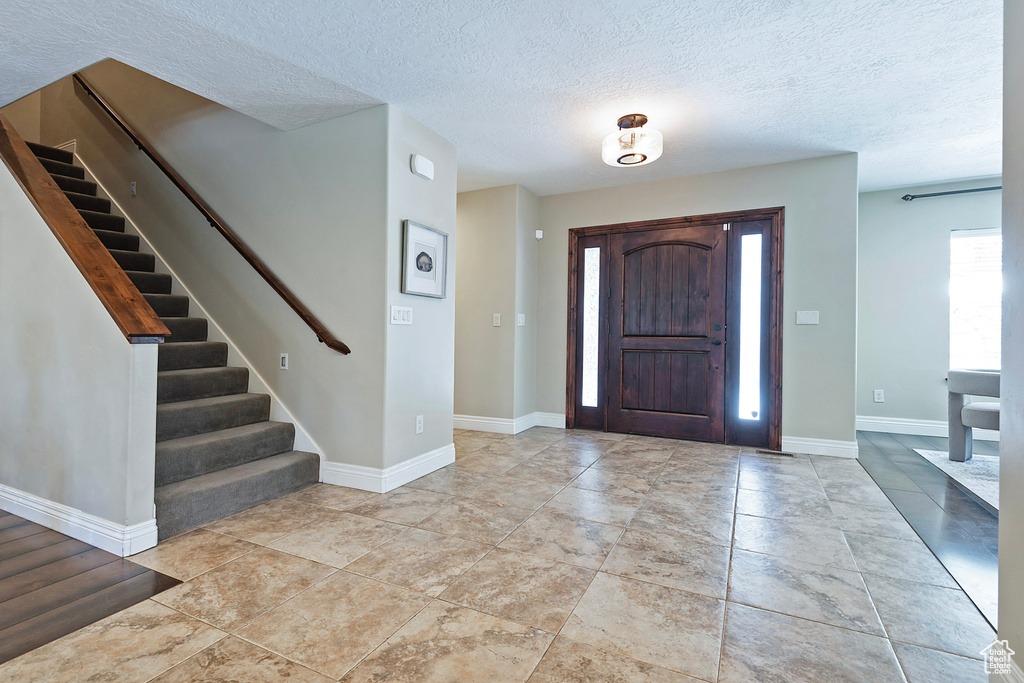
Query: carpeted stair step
point(187, 385)
point(186, 329)
point(194, 456)
point(188, 355)
point(168, 305)
point(185, 418)
point(84, 201)
point(150, 283)
point(118, 240)
point(75, 185)
point(187, 504)
point(102, 221)
point(134, 260)
point(62, 169)
point(44, 152)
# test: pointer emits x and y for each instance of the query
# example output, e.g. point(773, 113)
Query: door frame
point(776, 239)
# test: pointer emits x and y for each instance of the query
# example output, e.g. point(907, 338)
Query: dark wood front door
point(666, 356)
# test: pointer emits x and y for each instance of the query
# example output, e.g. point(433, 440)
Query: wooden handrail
point(128, 308)
point(322, 333)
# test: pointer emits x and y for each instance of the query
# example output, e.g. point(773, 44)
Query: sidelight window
point(750, 327)
point(975, 298)
point(591, 315)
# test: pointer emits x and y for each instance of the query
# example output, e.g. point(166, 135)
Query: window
point(975, 298)
point(750, 327)
point(591, 310)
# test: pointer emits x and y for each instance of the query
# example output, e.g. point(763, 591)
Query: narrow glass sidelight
point(591, 316)
point(750, 327)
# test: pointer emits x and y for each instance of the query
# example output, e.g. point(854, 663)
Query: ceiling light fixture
point(632, 144)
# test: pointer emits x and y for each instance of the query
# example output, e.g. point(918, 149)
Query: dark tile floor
point(960, 529)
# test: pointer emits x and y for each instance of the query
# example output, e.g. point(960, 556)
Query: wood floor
point(51, 585)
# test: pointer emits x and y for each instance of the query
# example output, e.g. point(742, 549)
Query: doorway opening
point(675, 328)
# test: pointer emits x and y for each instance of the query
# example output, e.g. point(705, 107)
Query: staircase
point(217, 451)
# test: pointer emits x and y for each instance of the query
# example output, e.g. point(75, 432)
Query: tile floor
point(550, 556)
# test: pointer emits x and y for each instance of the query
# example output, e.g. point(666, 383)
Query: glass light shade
point(632, 147)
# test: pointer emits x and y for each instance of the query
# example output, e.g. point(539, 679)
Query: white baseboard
point(899, 425)
point(502, 425)
point(839, 449)
point(384, 480)
point(115, 538)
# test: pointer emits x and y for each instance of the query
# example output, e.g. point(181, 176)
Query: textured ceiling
point(528, 88)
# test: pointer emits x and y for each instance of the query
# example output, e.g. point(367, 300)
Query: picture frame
point(425, 261)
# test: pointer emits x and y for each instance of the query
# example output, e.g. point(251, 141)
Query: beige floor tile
point(670, 561)
point(570, 662)
point(133, 645)
point(649, 452)
point(655, 624)
point(233, 661)
point(801, 505)
point(235, 593)
point(339, 539)
point(597, 506)
point(446, 643)
point(629, 463)
point(522, 449)
point(874, 521)
point(269, 521)
point(486, 463)
point(711, 526)
point(559, 455)
point(330, 496)
point(529, 590)
point(330, 627)
point(553, 473)
point(404, 506)
point(420, 560)
point(451, 480)
point(521, 490)
point(779, 480)
point(898, 559)
point(477, 520)
point(803, 542)
point(192, 553)
point(592, 435)
point(677, 472)
point(922, 665)
point(613, 481)
point(470, 442)
point(765, 646)
point(692, 498)
point(930, 616)
point(825, 594)
point(565, 539)
point(861, 493)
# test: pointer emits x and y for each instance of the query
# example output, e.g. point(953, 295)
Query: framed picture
point(426, 259)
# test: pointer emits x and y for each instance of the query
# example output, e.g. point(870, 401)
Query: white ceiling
point(527, 89)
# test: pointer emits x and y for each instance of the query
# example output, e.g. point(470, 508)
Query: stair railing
point(322, 333)
point(129, 309)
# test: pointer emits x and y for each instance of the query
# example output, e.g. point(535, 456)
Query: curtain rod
point(912, 197)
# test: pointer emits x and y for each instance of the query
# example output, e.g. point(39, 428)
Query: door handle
point(717, 342)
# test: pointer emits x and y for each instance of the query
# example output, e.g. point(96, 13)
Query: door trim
point(777, 217)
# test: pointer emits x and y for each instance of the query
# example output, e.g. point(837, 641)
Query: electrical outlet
point(133, 190)
point(521, 320)
point(879, 396)
point(284, 361)
point(419, 424)
point(497, 320)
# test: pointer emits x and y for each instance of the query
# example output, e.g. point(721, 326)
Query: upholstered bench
point(966, 415)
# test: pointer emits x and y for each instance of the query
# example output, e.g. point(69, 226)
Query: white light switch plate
point(521, 320)
point(879, 396)
point(806, 317)
point(497, 320)
point(401, 315)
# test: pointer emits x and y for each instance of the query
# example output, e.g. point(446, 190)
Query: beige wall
point(903, 294)
point(319, 206)
point(25, 115)
point(527, 250)
point(485, 285)
point(1011, 418)
point(420, 357)
point(820, 196)
point(78, 406)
